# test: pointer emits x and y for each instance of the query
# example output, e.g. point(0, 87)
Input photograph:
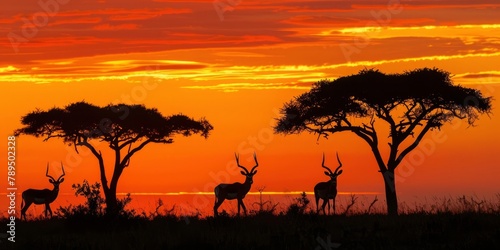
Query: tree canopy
point(81, 121)
point(410, 103)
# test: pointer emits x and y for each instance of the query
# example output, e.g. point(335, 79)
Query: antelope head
point(54, 181)
point(249, 174)
point(333, 175)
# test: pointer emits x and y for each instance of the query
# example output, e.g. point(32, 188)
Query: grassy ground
point(265, 231)
point(461, 223)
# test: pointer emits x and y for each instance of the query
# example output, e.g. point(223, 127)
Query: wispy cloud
point(233, 87)
point(9, 68)
point(125, 26)
point(488, 74)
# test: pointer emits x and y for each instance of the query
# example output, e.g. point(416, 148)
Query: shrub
point(299, 205)
point(94, 204)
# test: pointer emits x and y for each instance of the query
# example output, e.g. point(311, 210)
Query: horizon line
point(211, 193)
point(249, 193)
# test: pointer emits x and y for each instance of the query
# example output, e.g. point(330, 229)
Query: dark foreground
point(265, 231)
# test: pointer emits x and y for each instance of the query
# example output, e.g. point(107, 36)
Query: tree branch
point(98, 155)
point(130, 141)
point(373, 142)
point(415, 143)
point(418, 119)
point(133, 151)
point(49, 135)
point(362, 132)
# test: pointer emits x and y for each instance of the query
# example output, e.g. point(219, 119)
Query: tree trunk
point(112, 208)
point(390, 193)
point(111, 202)
point(109, 190)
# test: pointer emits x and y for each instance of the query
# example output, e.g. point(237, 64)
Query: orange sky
point(237, 67)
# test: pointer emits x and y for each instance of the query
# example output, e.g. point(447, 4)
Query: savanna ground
point(461, 223)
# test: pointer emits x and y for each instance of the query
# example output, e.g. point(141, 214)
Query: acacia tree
point(410, 104)
point(125, 128)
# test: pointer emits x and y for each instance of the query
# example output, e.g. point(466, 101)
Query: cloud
point(157, 67)
point(8, 69)
point(70, 21)
point(271, 41)
point(125, 26)
point(119, 14)
point(143, 14)
point(234, 87)
point(239, 54)
point(488, 74)
point(427, 4)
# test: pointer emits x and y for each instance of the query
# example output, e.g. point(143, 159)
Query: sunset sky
point(236, 66)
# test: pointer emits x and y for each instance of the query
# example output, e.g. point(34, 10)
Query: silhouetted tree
point(125, 128)
point(411, 104)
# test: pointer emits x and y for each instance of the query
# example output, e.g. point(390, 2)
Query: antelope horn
point(323, 165)
point(238, 163)
point(256, 162)
point(340, 163)
point(47, 173)
point(63, 174)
